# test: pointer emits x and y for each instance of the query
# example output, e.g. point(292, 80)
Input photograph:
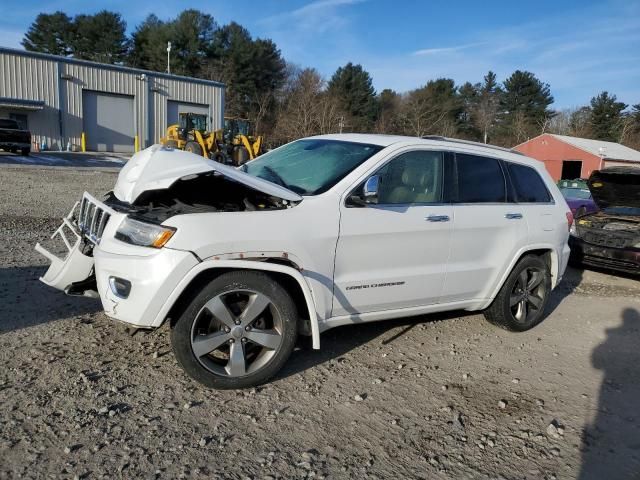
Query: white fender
point(244, 265)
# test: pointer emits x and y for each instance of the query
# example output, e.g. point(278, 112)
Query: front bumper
point(152, 279)
point(92, 251)
point(621, 259)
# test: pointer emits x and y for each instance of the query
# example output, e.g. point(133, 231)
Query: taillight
point(569, 220)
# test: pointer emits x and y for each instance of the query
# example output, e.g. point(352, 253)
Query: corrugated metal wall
point(29, 78)
point(59, 82)
point(163, 89)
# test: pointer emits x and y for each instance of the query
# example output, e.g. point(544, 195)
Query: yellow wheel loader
point(232, 145)
point(241, 142)
point(192, 135)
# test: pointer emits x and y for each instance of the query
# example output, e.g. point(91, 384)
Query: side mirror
point(370, 189)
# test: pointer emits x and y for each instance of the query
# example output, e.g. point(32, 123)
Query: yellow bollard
point(83, 142)
point(136, 144)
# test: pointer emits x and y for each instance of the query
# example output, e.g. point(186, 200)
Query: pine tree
point(149, 44)
point(50, 33)
point(352, 87)
point(100, 37)
point(606, 117)
point(524, 106)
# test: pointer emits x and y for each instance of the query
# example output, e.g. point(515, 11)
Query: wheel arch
point(282, 272)
point(547, 252)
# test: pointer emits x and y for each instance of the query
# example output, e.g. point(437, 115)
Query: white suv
point(322, 232)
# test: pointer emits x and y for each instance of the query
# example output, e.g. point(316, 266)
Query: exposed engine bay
point(609, 230)
point(205, 192)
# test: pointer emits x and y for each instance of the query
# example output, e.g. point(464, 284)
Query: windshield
point(577, 193)
point(310, 167)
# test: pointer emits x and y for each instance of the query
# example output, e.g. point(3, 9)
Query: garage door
point(174, 109)
point(108, 121)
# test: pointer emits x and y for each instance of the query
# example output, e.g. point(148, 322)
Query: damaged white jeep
point(322, 232)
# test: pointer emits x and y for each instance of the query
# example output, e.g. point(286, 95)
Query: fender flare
point(555, 267)
point(244, 265)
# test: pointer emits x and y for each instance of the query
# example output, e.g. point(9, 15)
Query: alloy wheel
point(236, 333)
point(527, 295)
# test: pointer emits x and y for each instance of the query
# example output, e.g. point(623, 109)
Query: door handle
point(438, 218)
point(513, 216)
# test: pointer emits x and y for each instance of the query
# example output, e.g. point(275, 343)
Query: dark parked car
point(579, 200)
point(610, 237)
point(12, 138)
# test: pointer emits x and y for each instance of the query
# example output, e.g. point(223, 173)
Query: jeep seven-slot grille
point(91, 220)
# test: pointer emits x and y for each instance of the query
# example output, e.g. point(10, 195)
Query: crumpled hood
point(158, 167)
point(616, 187)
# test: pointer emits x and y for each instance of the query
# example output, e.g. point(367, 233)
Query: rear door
point(489, 228)
point(393, 254)
point(535, 201)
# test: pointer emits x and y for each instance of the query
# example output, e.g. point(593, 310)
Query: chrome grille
point(92, 220)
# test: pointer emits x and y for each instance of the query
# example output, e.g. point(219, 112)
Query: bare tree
point(419, 115)
point(560, 123)
point(306, 108)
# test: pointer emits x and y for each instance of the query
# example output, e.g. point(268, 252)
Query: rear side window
point(530, 188)
point(480, 180)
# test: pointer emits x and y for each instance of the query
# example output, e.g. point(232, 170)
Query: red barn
point(571, 157)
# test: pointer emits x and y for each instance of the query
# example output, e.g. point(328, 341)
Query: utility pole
point(341, 123)
point(168, 57)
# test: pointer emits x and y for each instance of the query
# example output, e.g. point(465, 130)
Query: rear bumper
point(621, 259)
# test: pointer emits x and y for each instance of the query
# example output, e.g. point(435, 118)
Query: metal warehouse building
point(58, 99)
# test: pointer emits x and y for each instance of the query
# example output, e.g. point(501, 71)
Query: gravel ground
point(440, 396)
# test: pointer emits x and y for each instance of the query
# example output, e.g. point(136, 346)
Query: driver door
point(393, 253)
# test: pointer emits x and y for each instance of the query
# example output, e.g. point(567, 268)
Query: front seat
point(414, 187)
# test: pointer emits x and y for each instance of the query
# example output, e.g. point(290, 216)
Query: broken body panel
point(611, 237)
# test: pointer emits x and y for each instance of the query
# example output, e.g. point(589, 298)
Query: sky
point(579, 47)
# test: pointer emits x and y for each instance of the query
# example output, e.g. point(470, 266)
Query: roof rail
point(469, 142)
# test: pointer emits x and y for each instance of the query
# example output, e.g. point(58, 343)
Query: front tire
point(520, 304)
point(237, 332)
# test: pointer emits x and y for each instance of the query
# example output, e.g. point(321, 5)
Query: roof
point(606, 150)
point(20, 104)
point(442, 142)
point(107, 66)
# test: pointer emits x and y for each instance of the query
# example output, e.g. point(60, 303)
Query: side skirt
point(470, 305)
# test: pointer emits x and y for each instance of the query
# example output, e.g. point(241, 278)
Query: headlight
point(143, 234)
point(573, 230)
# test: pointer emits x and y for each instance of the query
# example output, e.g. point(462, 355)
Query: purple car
point(577, 198)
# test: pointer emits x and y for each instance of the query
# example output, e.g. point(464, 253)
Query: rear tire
point(26, 152)
point(193, 147)
point(237, 332)
point(520, 304)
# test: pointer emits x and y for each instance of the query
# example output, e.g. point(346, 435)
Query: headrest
point(414, 176)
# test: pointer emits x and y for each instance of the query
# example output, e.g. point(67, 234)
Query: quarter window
point(530, 188)
point(412, 177)
point(480, 180)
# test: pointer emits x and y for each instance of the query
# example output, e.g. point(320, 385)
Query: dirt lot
point(444, 396)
